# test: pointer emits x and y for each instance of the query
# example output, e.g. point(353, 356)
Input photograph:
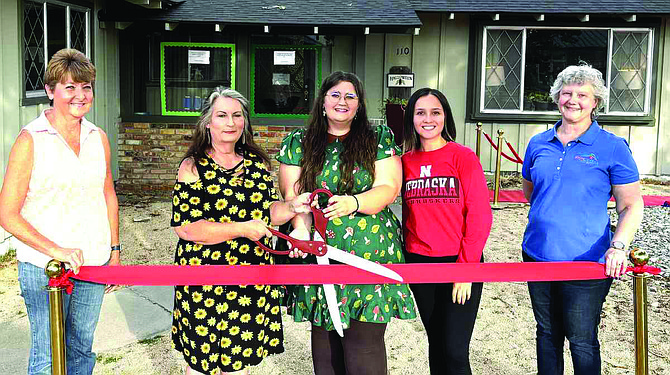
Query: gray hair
point(208, 108)
point(202, 141)
point(581, 74)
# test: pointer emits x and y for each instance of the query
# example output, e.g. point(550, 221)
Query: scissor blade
point(331, 301)
point(358, 262)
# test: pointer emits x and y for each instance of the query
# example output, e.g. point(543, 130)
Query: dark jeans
point(568, 309)
point(362, 350)
point(449, 325)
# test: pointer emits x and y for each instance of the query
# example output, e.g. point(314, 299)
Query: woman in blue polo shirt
point(570, 172)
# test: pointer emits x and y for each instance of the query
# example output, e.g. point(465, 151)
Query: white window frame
point(524, 29)
point(68, 37)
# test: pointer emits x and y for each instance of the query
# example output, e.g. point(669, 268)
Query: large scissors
point(324, 253)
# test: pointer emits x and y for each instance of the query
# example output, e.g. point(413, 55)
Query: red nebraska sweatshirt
point(446, 208)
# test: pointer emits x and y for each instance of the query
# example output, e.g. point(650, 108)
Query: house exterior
point(494, 60)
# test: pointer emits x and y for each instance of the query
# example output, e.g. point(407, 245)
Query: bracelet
point(357, 205)
point(116, 248)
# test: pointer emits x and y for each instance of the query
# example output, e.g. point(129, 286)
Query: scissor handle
point(320, 220)
point(312, 247)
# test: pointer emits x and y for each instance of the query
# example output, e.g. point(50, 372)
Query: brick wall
point(149, 154)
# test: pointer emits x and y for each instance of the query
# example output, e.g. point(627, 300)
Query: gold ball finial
point(639, 257)
point(500, 132)
point(53, 269)
point(479, 125)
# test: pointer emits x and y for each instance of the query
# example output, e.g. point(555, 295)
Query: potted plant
point(541, 101)
point(393, 109)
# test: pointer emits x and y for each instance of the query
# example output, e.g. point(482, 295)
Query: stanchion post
point(639, 259)
point(478, 147)
point(54, 269)
point(496, 188)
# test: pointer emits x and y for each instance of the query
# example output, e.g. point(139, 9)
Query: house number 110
point(402, 51)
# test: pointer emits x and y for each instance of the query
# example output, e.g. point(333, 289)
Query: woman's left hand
point(461, 292)
point(340, 205)
point(615, 262)
point(114, 260)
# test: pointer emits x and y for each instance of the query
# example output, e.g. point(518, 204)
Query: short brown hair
point(72, 62)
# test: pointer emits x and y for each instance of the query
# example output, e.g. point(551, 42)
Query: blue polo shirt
point(568, 217)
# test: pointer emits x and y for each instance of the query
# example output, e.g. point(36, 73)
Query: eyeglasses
point(334, 97)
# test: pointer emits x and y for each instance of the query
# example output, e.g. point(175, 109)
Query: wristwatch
point(618, 245)
point(116, 248)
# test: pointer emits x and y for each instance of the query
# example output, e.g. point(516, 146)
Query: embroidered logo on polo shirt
point(589, 159)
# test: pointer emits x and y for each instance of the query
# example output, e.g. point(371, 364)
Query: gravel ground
point(503, 341)
point(653, 236)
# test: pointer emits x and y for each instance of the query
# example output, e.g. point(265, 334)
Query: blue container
point(187, 102)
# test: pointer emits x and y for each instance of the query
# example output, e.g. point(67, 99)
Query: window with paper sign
point(284, 79)
point(189, 71)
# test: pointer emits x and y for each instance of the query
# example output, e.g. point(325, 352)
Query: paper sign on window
point(284, 57)
point(281, 79)
point(198, 57)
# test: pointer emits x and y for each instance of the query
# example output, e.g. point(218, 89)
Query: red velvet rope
point(518, 158)
point(63, 281)
point(338, 274)
point(502, 153)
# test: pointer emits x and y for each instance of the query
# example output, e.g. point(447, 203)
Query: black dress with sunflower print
point(222, 326)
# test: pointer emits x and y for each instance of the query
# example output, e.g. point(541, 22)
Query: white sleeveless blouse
point(65, 200)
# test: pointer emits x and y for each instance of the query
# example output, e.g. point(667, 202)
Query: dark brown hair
point(411, 141)
point(359, 147)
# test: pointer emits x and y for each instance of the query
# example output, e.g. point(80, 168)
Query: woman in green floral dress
point(341, 152)
point(223, 200)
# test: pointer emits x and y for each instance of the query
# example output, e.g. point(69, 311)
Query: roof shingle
point(277, 12)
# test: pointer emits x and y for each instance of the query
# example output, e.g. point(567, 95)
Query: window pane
point(78, 30)
point(503, 69)
point(192, 72)
point(629, 71)
point(549, 51)
point(284, 80)
point(56, 32)
point(33, 48)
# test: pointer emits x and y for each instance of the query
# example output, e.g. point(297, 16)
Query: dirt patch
point(504, 336)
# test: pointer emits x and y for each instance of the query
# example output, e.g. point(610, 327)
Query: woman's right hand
point(255, 230)
point(299, 234)
point(73, 257)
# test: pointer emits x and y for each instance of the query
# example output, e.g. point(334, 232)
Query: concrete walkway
point(128, 315)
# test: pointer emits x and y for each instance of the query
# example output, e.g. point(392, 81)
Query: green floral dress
point(373, 237)
point(222, 326)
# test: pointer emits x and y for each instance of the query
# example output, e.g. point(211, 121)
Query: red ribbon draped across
point(343, 274)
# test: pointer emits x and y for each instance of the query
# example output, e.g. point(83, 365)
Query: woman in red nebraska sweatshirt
point(446, 219)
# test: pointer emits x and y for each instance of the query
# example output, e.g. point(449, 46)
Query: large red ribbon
point(416, 273)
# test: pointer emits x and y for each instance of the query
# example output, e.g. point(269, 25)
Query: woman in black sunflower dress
point(223, 200)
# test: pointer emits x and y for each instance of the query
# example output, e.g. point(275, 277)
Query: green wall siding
point(374, 74)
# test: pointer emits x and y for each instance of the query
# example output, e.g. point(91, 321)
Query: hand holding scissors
point(324, 253)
